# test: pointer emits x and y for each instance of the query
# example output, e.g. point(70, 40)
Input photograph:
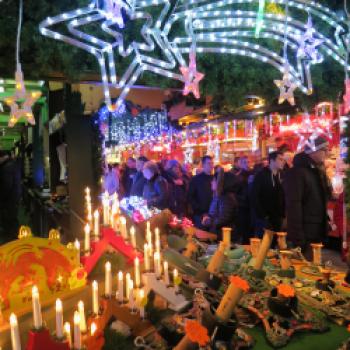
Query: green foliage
point(227, 78)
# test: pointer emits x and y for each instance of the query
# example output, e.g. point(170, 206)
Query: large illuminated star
point(21, 102)
point(108, 15)
point(286, 87)
point(191, 76)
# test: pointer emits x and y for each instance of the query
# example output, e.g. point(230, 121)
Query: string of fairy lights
point(218, 26)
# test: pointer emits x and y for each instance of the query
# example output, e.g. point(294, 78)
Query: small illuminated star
point(191, 76)
point(308, 44)
point(21, 102)
point(286, 87)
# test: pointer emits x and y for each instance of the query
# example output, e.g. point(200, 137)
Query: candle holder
point(281, 240)
point(109, 239)
point(317, 253)
point(42, 340)
point(287, 270)
point(175, 298)
point(325, 283)
point(255, 246)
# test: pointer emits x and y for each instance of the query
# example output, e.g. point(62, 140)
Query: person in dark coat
point(10, 192)
point(223, 208)
point(307, 192)
point(128, 176)
point(178, 186)
point(242, 191)
point(200, 193)
point(268, 196)
point(155, 191)
point(139, 180)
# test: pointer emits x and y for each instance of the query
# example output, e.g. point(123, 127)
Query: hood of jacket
point(302, 160)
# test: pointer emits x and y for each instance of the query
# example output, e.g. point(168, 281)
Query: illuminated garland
point(219, 26)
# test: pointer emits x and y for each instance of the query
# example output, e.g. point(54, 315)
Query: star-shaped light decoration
point(108, 15)
point(191, 76)
point(309, 130)
point(22, 101)
point(286, 87)
point(307, 48)
point(346, 97)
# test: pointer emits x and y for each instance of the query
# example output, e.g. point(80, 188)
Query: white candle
point(156, 264)
point(166, 273)
point(112, 217)
point(87, 191)
point(89, 215)
point(157, 239)
point(67, 333)
point(108, 279)
point(131, 295)
point(59, 319)
point(148, 233)
point(137, 272)
point(87, 239)
point(127, 287)
point(150, 250)
point(175, 277)
point(95, 304)
point(77, 333)
point(120, 287)
point(146, 257)
point(133, 236)
point(96, 224)
point(81, 310)
point(77, 247)
point(123, 230)
point(38, 322)
point(142, 307)
point(105, 204)
point(93, 328)
point(15, 340)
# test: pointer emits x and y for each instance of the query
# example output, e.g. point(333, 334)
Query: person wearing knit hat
point(307, 192)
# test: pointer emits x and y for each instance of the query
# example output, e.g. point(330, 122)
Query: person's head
point(288, 158)
point(236, 162)
point(110, 167)
point(207, 165)
point(317, 149)
point(265, 162)
point(140, 162)
point(276, 160)
point(3, 156)
point(131, 163)
point(174, 167)
point(150, 169)
point(243, 163)
point(187, 168)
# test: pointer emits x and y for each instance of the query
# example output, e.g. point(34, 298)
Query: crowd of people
point(280, 192)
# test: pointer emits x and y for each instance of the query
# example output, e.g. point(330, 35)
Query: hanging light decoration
point(21, 102)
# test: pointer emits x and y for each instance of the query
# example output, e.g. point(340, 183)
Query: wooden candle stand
point(113, 309)
point(109, 238)
point(176, 300)
point(43, 340)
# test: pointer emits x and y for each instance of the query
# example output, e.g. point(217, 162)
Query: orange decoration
point(240, 283)
point(348, 328)
point(196, 332)
point(286, 290)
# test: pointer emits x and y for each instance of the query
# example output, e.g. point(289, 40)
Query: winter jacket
point(268, 199)
point(307, 193)
point(156, 193)
point(223, 208)
point(127, 180)
point(200, 193)
point(177, 195)
point(138, 184)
